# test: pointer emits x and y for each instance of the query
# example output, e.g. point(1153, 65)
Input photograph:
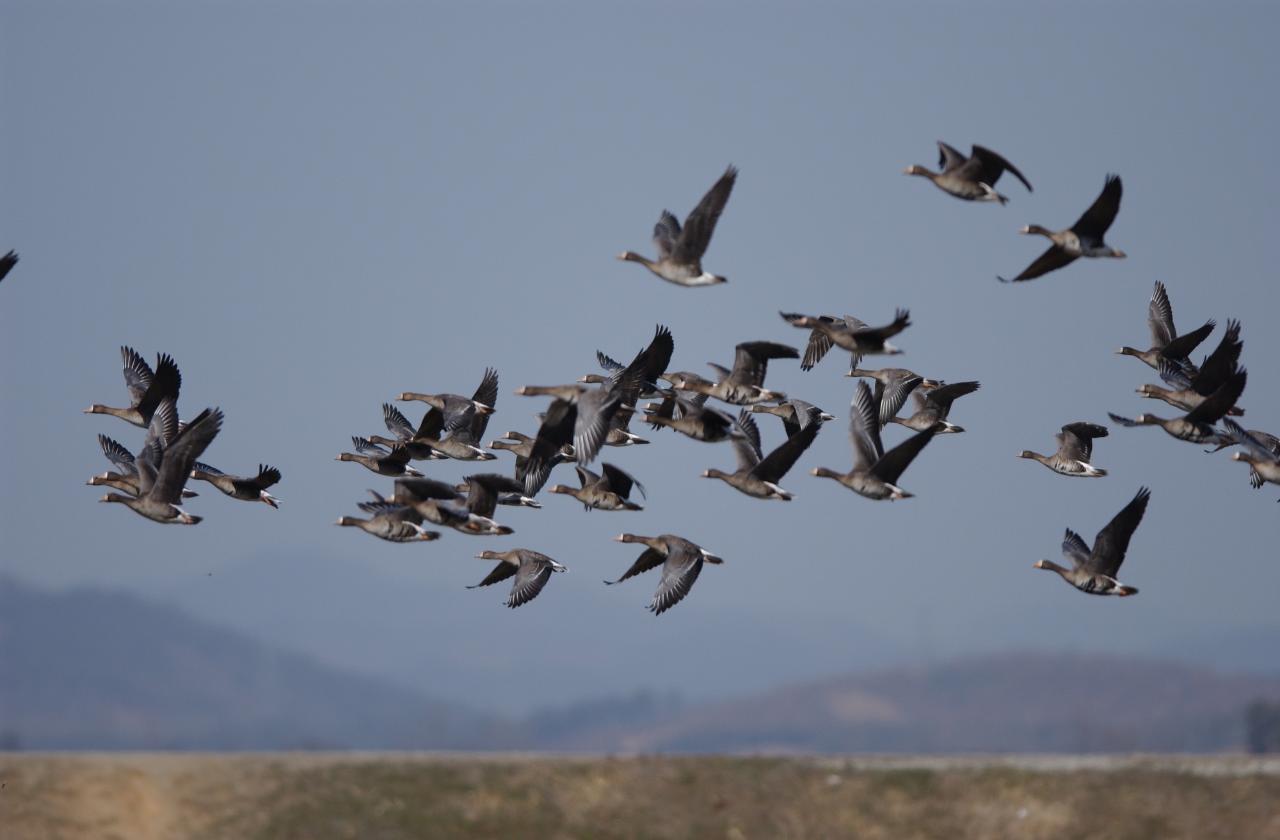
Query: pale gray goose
point(1165, 341)
point(820, 340)
point(164, 471)
point(681, 561)
point(440, 504)
point(579, 415)
point(934, 405)
point(758, 475)
point(1216, 369)
point(971, 178)
point(390, 522)
point(680, 249)
point(244, 488)
point(1260, 451)
point(744, 384)
point(1197, 425)
point(893, 386)
point(531, 569)
point(691, 418)
point(1075, 448)
point(1094, 571)
point(7, 262)
point(875, 472)
point(371, 456)
point(860, 341)
point(795, 414)
point(1083, 239)
point(610, 490)
point(146, 387)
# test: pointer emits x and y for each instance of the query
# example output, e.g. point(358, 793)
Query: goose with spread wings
point(1094, 570)
point(758, 475)
point(1075, 448)
point(680, 249)
point(1166, 344)
point(681, 561)
point(164, 470)
point(1083, 239)
point(531, 570)
point(971, 178)
point(146, 387)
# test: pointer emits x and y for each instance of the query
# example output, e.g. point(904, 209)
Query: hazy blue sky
point(314, 206)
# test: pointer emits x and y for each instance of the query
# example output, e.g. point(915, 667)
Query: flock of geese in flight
point(597, 411)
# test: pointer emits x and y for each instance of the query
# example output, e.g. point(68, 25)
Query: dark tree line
point(1262, 726)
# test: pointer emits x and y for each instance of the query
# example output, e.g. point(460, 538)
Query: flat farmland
point(387, 796)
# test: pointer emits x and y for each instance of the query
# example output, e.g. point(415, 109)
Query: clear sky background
point(315, 206)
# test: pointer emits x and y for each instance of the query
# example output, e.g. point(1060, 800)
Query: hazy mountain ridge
point(92, 669)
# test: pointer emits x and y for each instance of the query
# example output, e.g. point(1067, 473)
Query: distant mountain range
point(91, 669)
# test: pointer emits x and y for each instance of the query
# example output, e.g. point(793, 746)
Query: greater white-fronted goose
point(933, 406)
point(681, 562)
point(1165, 341)
point(1259, 450)
point(1191, 390)
point(1094, 571)
point(1083, 239)
point(744, 385)
point(7, 262)
point(440, 503)
point(893, 386)
point(691, 417)
point(532, 570)
point(680, 249)
point(875, 472)
point(971, 178)
point(146, 388)
point(390, 522)
point(1197, 425)
point(455, 406)
point(376, 458)
point(405, 434)
point(820, 340)
point(795, 414)
point(460, 443)
point(609, 491)
point(126, 475)
point(579, 415)
point(244, 488)
point(164, 470)
point(756, 475)
point(1075, 448)
point(845, 334)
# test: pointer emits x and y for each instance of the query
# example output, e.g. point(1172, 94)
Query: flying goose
point(578, 415)
point(1165, 341)
point(532, 570)
point(1083, 239)
point(679, 249)
point(609, 491)
point(759, 476)
point(681, 562)
point(893, 386)
point(454, 406)
point(933, 406)
point(126, 475)
point(241, 487)
point(378, 459)
point(1197, 425)
point(971, 178)
point(795, 414)
point(875, 472)
point(405, 435)
point(744, 384)
point(1094, 571)
point(7, 262)
point(1261, 452)
point(820, 340)
point(1075, 447)
point(1191, 390)
point(390, 522)
point(847, 335)
point(163, 470)
point(146, 388)
point(440, 503)
point(691, 417)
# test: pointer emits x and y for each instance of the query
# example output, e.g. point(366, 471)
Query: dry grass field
point(134, 796)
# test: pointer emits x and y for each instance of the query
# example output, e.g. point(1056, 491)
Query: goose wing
point(621, 481)
point(1074, 548)
point(1217, 404)
point(137, 374)
point(780, 460)
point(864, 428)
point(747, 447)
point(483, 490)
point(681, 569)
point(556, 430)
point(1075, 441)
point(896, 460)
point(1112, 542)
point(120, 457)
point(191, 442)
point(531, 576)
point(1098, 218)
point(751, 360)
point(650, 558)
point(1160, 317)
point(949, 157)
point(665, 234)
point(1052, 259)
point(701, 222)
point(990, 166)
point(1219, 365)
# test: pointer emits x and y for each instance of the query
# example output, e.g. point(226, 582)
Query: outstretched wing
point(701, 223)
point(1112, 542)
point(1098, 218)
